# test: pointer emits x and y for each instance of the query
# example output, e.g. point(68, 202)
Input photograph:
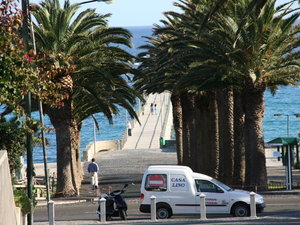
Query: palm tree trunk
point(69, 173)
point(253, 101)
point(214, 151)
point(239, 145)
point(194, 148)
point(205, 133)
point(225, 109)
point(76, 159)
point(186, 116)
point(200, 154)
point(177, 121)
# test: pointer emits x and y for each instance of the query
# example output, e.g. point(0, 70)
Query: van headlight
point(260, 200)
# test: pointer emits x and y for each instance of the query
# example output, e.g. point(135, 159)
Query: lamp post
point(25, 33)
point(287, 120)
point(289, 151)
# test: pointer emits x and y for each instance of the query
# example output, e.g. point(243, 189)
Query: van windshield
point(224, 186)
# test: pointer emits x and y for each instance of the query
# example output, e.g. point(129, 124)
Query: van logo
point(178, 179)
point(178, 183)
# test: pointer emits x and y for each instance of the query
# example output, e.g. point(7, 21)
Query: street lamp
point(289, 153)
point(25, 33)
point(287, 120)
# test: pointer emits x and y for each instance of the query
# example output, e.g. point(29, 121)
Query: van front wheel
point(163, 212)
point(241, 210)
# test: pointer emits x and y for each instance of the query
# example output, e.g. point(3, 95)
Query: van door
point(217, 200)
point(182, 195)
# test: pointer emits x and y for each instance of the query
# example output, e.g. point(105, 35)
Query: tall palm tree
point(167, 66)
point(259, 54)
point(267, 56)
point(91, 70)
point(248, 46)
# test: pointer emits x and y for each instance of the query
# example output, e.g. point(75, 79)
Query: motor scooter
point(115, 204)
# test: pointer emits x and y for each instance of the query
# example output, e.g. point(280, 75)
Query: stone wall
point(7, 203)
point(108, 145)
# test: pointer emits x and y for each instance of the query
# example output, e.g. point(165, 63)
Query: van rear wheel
point(163, 212)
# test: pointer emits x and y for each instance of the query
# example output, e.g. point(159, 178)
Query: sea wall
point(107, 145)
point(7, 203)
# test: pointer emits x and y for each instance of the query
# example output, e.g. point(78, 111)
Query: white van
point(177, 190)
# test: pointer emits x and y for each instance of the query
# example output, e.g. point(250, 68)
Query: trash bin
point(162, 142)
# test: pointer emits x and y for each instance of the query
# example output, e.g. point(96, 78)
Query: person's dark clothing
point(93, 167)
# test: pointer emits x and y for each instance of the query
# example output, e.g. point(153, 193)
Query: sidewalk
point(195, 221)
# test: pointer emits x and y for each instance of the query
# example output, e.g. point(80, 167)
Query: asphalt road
point(284, 208)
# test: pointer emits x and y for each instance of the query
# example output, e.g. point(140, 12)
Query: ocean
point(285, 101)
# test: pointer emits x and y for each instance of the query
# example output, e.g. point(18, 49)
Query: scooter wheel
point(123, 215)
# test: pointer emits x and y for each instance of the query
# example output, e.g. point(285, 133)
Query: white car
point(177, 190)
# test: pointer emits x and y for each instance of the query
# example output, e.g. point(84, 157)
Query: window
point(156, 182)
point(207, 186)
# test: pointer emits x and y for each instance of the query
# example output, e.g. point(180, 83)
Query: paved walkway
point(147, 134)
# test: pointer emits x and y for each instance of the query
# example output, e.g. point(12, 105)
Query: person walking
point(155, 109)
point(143, 109)
point(93, 169)
point(151, 108)
point(129, 127)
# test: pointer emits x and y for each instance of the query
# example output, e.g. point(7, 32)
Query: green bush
point(297, 165)
point(21, 200)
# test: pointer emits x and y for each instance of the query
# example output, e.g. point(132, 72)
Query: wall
point(108, 145)
point(7, 203)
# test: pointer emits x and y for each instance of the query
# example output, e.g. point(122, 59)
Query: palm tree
point(164, 65)
point(259, 54)
point(91, 69)
point(247, 46)
point(267, 44)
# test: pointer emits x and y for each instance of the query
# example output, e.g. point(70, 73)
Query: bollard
point(202, 207)
point(153, 207)
point(252, 205)
point(103, 209)
point(51, 212)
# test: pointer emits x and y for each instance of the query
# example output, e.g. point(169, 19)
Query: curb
point(184, 221)
point(96, 199)
point(43, 202)
point(61, 202)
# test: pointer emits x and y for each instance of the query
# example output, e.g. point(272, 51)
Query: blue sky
point(134, 12)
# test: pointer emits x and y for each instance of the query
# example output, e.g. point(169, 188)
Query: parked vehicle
point(177, 190)
point(115, 204)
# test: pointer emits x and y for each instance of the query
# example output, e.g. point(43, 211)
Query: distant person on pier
point(143, 109)
point(155, 109)
point(129, 127)
point(93, 169)
point(152, 108)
